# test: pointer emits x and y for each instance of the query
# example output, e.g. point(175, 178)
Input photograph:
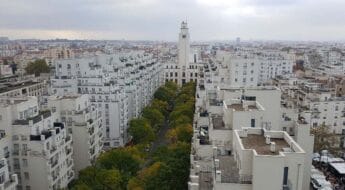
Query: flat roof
point(6, 87)
point(258, 143)
point(218, 122)
point(239, 107)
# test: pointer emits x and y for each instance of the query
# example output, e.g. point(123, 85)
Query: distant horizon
point(156, 20)
point(169, 41)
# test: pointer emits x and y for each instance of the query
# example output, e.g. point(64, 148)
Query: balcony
point(68, 151)
point(69, 163)
point(70, 175)
point(54, 163)
point(53, 149)
point(58, 124)
point(2, 163)
point(68, 138)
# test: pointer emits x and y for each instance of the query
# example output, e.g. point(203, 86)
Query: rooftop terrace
point(258, 143)
point(240, 107)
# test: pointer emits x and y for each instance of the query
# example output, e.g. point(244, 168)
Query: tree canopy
point(37, 67)
point(324, 139)
point(141, 131)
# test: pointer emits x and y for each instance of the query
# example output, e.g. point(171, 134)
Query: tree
point(37, 67)
point(126, 160)
point(160, 105)
point(149, 178)
point(324, 139)
point(111, 179)
point(176, 157)
point(182, 119)
point(171, 85)
point(182, 133)
point(154, 116)
point(165, 94)
point(96, 178)
point(141, 131)
point(184, 109)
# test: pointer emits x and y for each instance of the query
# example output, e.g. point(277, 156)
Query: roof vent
point(273, 147)
point(268, 139)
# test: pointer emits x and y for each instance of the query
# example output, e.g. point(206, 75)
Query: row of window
point(245, 80)
point(183, 74)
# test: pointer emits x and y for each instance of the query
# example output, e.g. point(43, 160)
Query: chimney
point(197, 169)
point(268, 139)
point(245, 133)
point(215, 152)
point(218, 176)
point(193, 186)
point(194, 178)
point(216, 163)
point(273, 147)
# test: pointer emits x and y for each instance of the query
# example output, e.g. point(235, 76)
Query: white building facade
point(119, 85)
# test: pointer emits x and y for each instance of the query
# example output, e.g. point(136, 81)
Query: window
point(252, 123)
point(25, 163)
point(26, 175)
point(16, 163)
point(2, 177)
point(285, 175)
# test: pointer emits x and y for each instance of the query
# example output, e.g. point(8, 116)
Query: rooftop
point(218, 122)
point(240, 107)
point(6, 87)
point(258, 143)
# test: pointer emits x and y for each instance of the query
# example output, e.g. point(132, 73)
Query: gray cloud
point(159, 19)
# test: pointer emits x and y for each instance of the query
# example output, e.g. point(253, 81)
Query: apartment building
point(255, 150)
point(239, 133)
point(83, 123)
point(249, 68)
point(120, 85)
point(333, 62)
point(317, 104)
point(40, 145)
point(22, 86)
point(7, 181)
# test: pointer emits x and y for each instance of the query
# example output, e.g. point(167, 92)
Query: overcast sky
point(160, 19)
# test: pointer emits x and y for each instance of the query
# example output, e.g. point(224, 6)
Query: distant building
point(238, 41)
point(188, 65)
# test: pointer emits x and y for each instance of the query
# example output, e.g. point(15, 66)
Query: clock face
point(183, 36)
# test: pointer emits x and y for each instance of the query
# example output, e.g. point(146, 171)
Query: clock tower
point(183, 46)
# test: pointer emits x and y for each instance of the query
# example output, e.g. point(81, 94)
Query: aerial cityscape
point(175, 95)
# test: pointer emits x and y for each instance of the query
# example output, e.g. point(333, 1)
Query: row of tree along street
point(134, 167)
